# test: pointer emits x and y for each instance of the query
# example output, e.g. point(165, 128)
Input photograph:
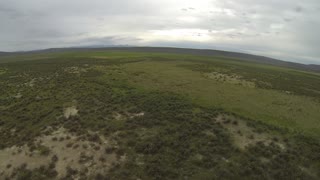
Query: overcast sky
point(285, 29)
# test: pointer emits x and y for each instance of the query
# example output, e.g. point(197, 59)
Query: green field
point(162, 116)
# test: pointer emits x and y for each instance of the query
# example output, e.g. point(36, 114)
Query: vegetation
point(162, 111)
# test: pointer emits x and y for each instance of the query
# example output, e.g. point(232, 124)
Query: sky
point(284, 29)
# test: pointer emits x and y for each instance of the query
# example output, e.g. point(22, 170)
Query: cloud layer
point(286, 29)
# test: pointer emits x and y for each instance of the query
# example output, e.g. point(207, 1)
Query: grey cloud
point(298, 9)
point(287, 19)
point(287, 29)
point(11, 13)
point(109, 40)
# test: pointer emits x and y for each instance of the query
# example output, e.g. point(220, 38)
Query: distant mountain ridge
point(202, 52)
point(4, 53)
point(228, 54)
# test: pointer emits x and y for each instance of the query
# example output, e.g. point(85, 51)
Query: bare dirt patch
point(79, 154)
point(243, 135)
point(127, 115)
point(14, 157)
point(84, 156)
point(18, 96)
point(231, 79)
point(70, 111)
point(75, 70)
point(132, 115)
point(118, 116)
point(3, 71)
point(31, 83)
point(100, 57)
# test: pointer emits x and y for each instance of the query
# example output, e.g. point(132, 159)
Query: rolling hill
point(156, 113)
point(200, 52)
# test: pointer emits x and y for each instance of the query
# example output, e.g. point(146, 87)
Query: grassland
point(133, 115)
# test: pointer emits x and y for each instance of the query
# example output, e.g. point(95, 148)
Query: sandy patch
point(14, 157)
point(18, 96)
point(3, 71)
point(100, 57)
point(74, 70)
point(127, 115)
point(231, 79)
point(243, 135)
point(79, 154)
point(118, 116)
point(31, 83)
point(132, 115)
point(87, 155)
point(70, 111)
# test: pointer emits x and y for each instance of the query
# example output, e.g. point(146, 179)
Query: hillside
point(200, 52)
point(156, 113)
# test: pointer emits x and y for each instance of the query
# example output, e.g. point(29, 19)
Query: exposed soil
point(70, 111)
point(232, 79)
point(31, 83)
point(243, 135)
point(80, 153)
point(75, 70)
